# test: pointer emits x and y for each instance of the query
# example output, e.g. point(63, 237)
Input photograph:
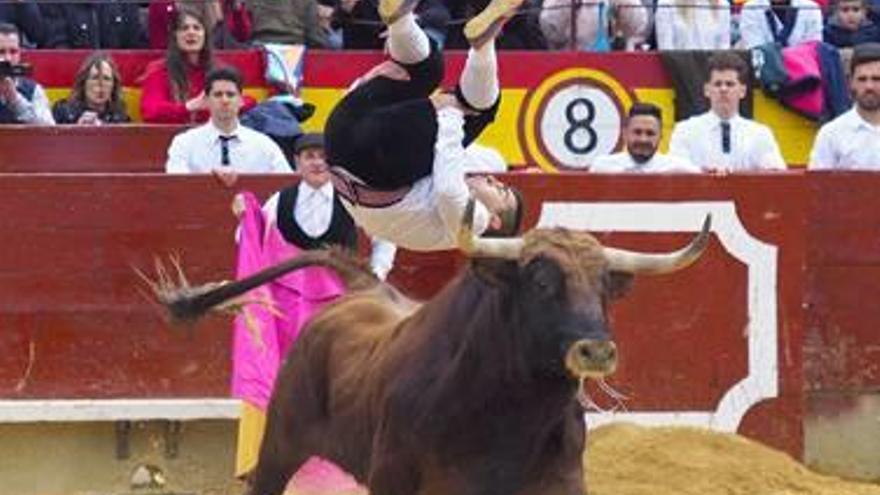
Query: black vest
point(26, 87)
point(342, 230)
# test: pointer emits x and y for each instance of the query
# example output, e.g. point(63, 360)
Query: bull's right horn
point(478, 247)
point(657, 263)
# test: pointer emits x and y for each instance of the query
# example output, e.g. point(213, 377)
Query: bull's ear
point(495, 271)
point(618, 283)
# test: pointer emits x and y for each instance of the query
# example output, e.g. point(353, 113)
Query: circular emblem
point(573, 117)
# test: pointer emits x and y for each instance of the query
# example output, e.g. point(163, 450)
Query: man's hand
point(225, 176)
point(238, 205)
point(8, 92)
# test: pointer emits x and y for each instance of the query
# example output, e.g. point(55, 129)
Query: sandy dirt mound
point(631, 460)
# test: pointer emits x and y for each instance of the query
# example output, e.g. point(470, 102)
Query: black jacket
point(106, 24)
point(27, 17)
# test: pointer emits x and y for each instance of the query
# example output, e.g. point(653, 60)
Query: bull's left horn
point(656, 263)
point(477, 247)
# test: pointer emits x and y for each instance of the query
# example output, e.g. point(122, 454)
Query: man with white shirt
point(398, 151)
point(720, 140)
point(222, 146)
point(852, 140)
point(641, 138)
point(786, 22)
point(22, 100)
point(302, 217)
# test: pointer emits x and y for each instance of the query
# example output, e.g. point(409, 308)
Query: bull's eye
point(544, 276)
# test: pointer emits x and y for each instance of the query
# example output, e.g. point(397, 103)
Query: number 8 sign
point(572, 117)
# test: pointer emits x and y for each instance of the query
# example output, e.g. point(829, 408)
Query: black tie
point(224, 149)
point(725, 137)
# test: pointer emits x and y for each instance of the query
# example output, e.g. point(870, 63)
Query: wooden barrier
point(134, 148)
point(703, 346)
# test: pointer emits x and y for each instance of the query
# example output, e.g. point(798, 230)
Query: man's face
point(642, 137)
point(865, 85)
point(224, 101)
point(311, 163)
point(10, 48)
point(850, 14)
point(724, 91)
point(494, 195)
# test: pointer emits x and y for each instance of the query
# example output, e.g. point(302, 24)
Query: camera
point(8, 69)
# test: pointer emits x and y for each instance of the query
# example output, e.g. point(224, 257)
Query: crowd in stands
point(590, 25)
point(174, 87)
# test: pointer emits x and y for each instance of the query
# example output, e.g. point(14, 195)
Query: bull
point(472, 392)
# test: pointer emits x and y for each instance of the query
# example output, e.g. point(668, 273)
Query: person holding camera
point(22, 100)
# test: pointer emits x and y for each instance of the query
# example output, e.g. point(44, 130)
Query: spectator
point(97, 24)
point(720, 139)
point(362, 28)
point(96, 96)
point(641, 138)
point(852, 140)
point(22, 100)
point(230, 19)
point(222, 146)
point(851, 25)
point(592, 23)
point(786, 22)
point(692, 24)
point(26, 16)
point(174, 88)
point(293, 22)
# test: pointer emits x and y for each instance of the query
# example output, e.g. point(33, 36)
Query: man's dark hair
point(7, 29)
point(646, 109)
point(230, 74)
point(511, 218)
point(864, 53)
point(722, 61)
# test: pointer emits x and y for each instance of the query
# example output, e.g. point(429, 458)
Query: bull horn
point(656, 263)
point(477, 247)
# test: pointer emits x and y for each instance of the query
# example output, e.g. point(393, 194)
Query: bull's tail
point(186, 303)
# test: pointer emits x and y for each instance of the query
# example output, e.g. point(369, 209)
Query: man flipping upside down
point(397, 147)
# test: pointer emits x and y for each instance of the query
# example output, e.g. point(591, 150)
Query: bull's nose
point(591, 358)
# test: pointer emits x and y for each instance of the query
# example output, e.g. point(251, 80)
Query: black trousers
point(384, 131)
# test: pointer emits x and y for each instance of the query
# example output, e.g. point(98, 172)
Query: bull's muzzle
point(589, 358)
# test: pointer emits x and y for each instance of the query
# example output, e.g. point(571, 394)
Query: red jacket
point(158, 106)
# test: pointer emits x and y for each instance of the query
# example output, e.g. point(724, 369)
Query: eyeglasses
point(101, 78)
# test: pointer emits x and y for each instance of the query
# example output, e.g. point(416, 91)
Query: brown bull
point(473, 392)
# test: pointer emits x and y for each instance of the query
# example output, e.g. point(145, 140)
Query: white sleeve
point(277, 160)
point(177, 156)
point(382, 256)
point(770, 157)
point(823, 157)
point(36, 111)
point(752, 25)
point(724, 36)
point(664, 25)
point(678, 144)
point(451, 190)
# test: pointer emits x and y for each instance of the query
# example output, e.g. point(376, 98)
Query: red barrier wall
point(72, 323)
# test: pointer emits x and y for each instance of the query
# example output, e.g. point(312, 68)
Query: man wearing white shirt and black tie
point(641, 137)
point(852, 140)
point(397, 148)
point(721, 140)
point(222, 146)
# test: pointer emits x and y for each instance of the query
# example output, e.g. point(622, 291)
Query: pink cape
point(257, 355)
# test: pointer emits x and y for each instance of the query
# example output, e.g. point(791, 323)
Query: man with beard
point(852, 140)
point(721, 140)
point(641, 138)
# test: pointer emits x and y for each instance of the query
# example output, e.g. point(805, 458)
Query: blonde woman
point(693, 24)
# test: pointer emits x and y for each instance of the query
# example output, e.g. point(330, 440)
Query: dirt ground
point(632, 460)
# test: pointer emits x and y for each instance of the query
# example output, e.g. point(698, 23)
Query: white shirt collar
point(855, 119)
point(215, 132)
point(481, 217)
point(716, 120)
point(326, 190)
